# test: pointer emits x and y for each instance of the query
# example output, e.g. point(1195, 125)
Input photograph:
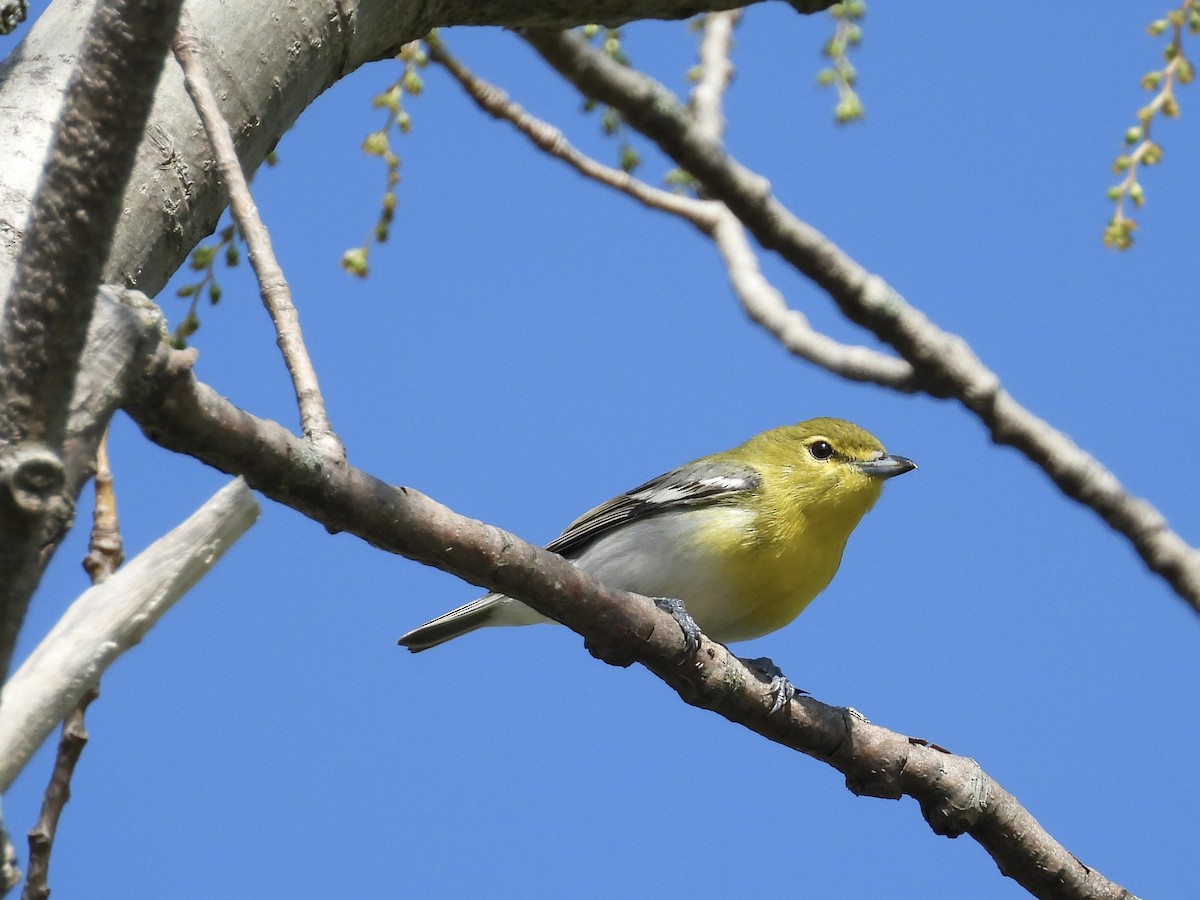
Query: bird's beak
point(887, 466)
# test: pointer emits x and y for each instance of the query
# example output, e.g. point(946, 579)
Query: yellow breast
point(787, 555)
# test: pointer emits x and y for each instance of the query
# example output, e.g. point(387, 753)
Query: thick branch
point(956, 797)
point(75, 213)
point(945, 366)
point(266, 73)
point(45, 320)
point(267, 76)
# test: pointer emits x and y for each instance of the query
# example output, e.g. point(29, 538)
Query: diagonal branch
point(551, 141)
point(956, 797)
point(110, 618)
point(760, 299)
point(944, 364)
point(58, 792)
point(273, 285)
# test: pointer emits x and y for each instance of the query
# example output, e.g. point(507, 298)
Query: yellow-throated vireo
point(745, 539)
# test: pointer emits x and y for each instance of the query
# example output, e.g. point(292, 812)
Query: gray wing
point(697, 484)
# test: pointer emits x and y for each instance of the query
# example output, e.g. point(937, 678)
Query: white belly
point(658, 557)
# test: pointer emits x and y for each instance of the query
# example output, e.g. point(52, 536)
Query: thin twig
point(944, 363)
point(58, 792)
point(105, 554)
point(716, 72)
point(761, 300)
point(273, 285)
point(496, 103)
point(106, 548)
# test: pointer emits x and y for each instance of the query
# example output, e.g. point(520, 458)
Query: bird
point(735, 544)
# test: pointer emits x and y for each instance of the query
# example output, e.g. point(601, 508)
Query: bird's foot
point(691, 631)
point(781, 690)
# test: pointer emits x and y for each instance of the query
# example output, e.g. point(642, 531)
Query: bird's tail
point(455, 623)
point(492, 609)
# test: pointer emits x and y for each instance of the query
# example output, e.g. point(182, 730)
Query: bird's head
point(830, 466)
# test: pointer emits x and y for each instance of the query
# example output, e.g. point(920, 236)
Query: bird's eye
point(821, 449)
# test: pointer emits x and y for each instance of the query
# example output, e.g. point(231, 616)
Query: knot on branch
point(877, 776)
point(959, 802)
point(871, 758)
point(32, 478)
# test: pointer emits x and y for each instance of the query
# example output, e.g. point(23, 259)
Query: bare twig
point(58, 792)
point(761, 300)
point(956, 797)
point(106, 548)
point(104, 556)
point(943, 363)
point(716, 72)
point(273, 285)
point(496, 103)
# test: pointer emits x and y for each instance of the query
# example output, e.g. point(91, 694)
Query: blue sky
point(530, 344)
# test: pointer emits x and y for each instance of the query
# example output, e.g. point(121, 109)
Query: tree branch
point(760, 299)
point(105, 554)
point(58, 792)
point(716, 72)
point(110, 618)
point(272, 283)
point(956, 797)
point(944, 364)
point(266, 78)
point(106, 547)
point(172, 198)
point(46, 317)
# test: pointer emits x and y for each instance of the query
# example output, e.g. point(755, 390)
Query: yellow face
point(827, 469)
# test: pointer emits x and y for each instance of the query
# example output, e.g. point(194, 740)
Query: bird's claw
point(691, 631)
point(781, 690)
